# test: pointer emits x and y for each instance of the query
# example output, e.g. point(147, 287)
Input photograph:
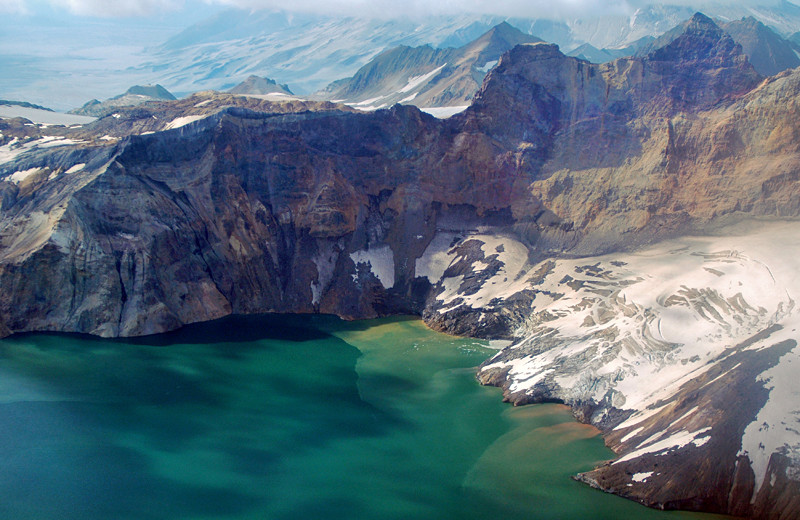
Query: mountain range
point(425, 76)
point(627, 226)
point(306, 51)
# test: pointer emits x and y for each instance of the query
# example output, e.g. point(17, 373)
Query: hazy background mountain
point(63, 57)
point(425, 76)
point(136, 95)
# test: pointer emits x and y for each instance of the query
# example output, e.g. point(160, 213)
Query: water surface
point(283, 417)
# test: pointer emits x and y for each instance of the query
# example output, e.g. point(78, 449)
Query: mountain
point(424, 76)
point(768, 52)
point(135, 95)
point(255, 85)
point(310, 51)
point(306, 50)
point(628, 226)
point(591, 53)
point(24, 104)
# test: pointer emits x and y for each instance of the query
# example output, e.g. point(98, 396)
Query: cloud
point(95, 8)
point(379, 8)
point(392, 8)
point(522, 8)
point(13, 6)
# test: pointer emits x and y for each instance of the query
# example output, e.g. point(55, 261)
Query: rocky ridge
point(174, 212)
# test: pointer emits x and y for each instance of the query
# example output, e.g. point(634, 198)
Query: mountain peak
point(260, 86)
point(152, 91)
point(698, 39)
point(699, 19)
point(503, 33)
point(768, 51)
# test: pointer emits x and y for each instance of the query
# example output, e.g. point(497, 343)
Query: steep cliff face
point(174, 212)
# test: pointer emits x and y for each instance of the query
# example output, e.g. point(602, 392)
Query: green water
point(282, 417)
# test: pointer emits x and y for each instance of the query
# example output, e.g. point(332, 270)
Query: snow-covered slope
point(683, 353)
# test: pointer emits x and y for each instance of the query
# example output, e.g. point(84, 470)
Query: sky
point(167, 9)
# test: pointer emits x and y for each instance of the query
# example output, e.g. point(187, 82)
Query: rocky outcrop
point(491, 223)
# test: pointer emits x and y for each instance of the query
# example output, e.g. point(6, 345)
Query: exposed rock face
point(174, 212)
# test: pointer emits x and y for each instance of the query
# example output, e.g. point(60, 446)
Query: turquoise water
point(282, 417)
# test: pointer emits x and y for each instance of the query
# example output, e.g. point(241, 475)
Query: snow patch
point(641, 477)
point(444, 112)
point(381, 262)
point(20, 176)
point(632, 434)
point(489, 65)
point(183, 121)
point(409, 98)
point(776, 426)
point(325, 261)
point(673, 442)
point(416, 81)
point(436, 259)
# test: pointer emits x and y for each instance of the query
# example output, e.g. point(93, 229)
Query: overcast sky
point(537, 8)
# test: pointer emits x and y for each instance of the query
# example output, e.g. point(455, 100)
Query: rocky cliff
point(530, 216)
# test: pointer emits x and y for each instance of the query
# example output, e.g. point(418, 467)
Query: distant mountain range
point(768, 51)
point(429, 77)
point(425, 76)
point(311, 51)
